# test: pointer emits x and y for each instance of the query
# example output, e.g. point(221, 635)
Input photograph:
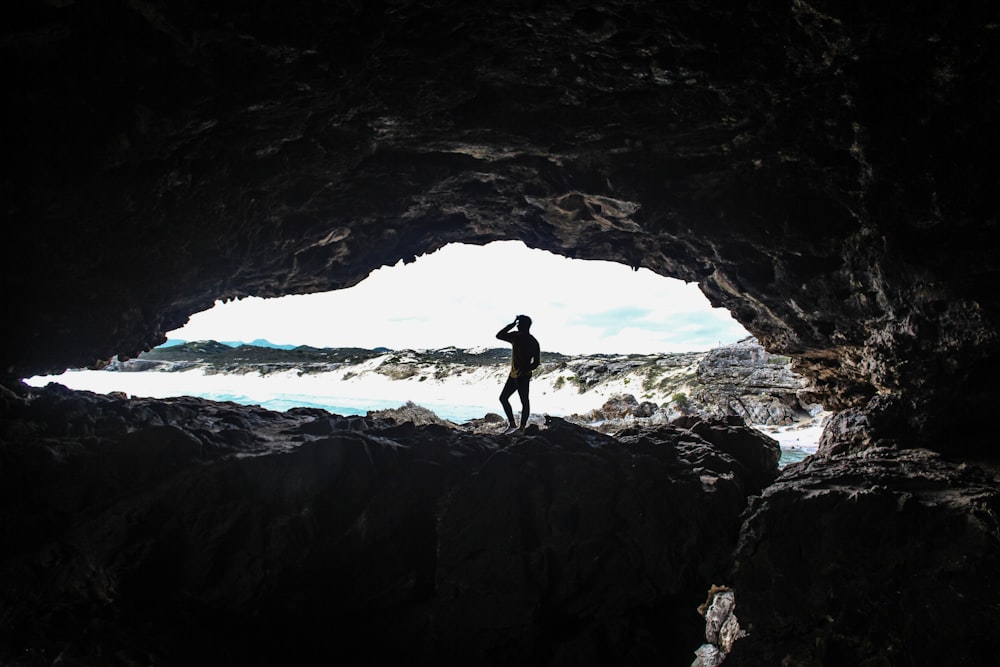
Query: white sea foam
point(798, 441)
point(470, 394)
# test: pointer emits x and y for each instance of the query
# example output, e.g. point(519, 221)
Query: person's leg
point(508, 390)
point(522, 392)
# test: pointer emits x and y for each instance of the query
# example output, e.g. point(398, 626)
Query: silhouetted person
point(524, 358)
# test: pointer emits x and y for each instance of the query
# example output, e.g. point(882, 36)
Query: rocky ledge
point(187, 532)
point(190, 532)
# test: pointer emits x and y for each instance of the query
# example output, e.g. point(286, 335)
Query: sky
point(462, 295)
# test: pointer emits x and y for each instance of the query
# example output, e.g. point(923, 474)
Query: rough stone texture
point(743, 379)
point(186, 532)
point(577, 555)
point(758, 453)
point(888, 558)
point(738, 380)
point(825, 170)
point(722, 627)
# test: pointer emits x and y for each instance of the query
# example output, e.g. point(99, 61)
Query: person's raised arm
point(502, 334)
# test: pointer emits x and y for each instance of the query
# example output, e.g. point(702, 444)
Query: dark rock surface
point(889, 558)
point(183, 532)
point(757, 453)
point(824, 170)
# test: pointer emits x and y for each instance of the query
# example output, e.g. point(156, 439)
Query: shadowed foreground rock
point(888, 558)
point(182, 531)
point(826, 171)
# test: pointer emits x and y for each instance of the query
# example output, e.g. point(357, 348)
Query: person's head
point(523, 322)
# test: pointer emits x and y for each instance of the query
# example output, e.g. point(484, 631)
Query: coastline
point(471, 390)
point(472, 393)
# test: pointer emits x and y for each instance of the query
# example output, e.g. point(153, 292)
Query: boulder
point(885, 558)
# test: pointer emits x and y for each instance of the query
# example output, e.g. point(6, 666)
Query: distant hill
point(233, 356)
point(259, 342)
point(192, 349)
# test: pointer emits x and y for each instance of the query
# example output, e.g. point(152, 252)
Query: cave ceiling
point(823, 170)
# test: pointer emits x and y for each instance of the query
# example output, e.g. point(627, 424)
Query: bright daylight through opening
point(427, 333)
point(408, 317)
point(459, 295)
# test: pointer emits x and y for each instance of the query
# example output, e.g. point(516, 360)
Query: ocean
point(279, 391)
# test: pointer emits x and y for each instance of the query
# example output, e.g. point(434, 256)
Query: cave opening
point(441, 306)
point(421, 332)
point(458, 295)
point(822, 170)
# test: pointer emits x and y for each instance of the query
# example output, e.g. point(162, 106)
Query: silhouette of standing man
point(524, 358)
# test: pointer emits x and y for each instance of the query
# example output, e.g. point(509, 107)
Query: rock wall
point(886, 559)
point(824, 170)
point(743, 379)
